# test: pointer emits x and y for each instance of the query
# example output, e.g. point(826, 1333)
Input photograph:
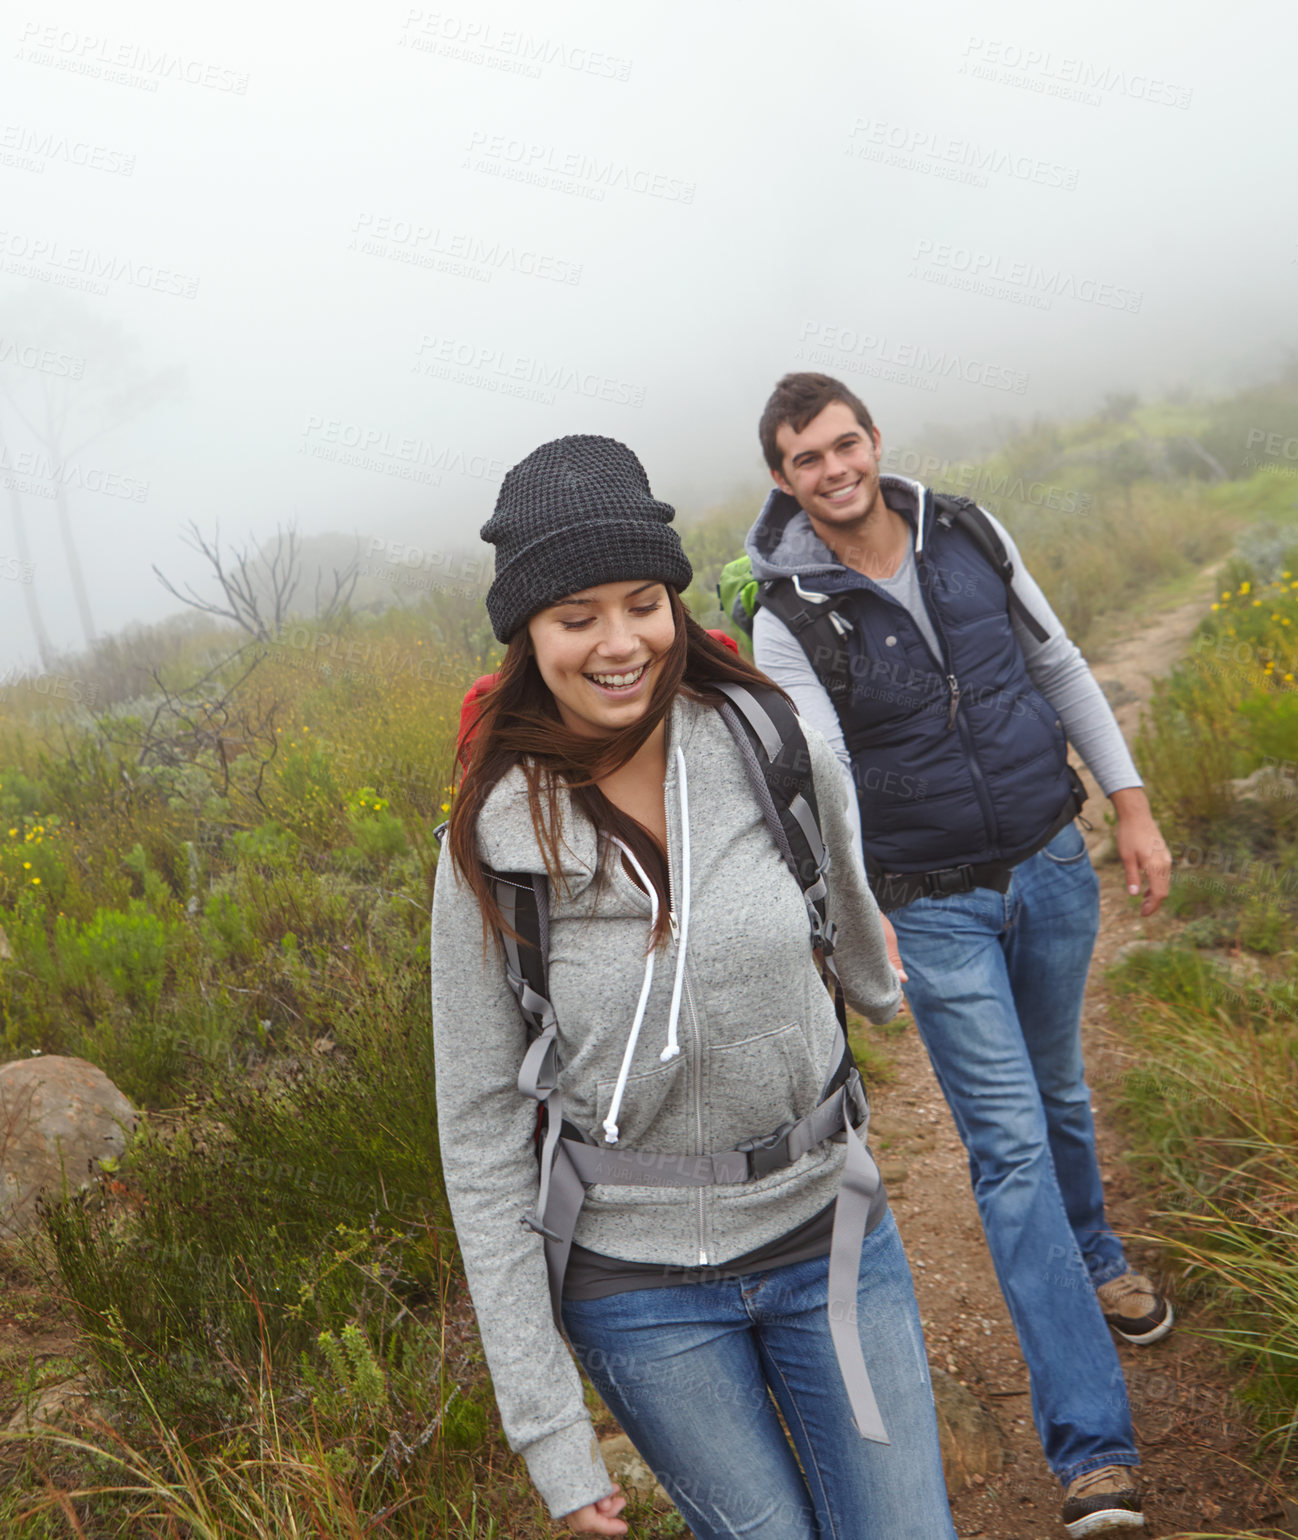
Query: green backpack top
point(737, 591)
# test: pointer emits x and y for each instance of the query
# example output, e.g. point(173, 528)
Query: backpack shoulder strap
point(525, 905)
point(524, 899)
point(819, 628)
point(774, 749)
point(951, 509)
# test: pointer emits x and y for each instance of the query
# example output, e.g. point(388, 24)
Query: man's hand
point(890, 941)
point(1141, 847)
point(599, 1518)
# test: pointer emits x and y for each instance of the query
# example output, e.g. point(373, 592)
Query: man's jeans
point(996, 983)
point(689, 1372)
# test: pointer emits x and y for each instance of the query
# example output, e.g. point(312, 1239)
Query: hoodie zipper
point(696, 1048)
point(696, 1068)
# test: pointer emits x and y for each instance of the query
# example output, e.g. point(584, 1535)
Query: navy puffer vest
point(955, 759)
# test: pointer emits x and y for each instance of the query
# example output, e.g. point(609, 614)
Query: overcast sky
point(345, 264)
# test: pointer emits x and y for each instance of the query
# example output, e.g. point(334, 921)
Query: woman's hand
point(599, 1518)
point(890, 941)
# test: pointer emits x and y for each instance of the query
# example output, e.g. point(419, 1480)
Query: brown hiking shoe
point(1134, 1308)
point(1102, 1502)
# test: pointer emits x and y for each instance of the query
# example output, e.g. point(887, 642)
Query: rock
point(1132, 949)
point(1266, 784)
point(894, 1173)
point(57, 1116)
point(65, 1402)
point(971, 1440)
point(631, 1473)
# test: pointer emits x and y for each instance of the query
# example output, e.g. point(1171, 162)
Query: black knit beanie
point(576, 512)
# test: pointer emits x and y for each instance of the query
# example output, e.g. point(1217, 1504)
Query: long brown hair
point(519, 724)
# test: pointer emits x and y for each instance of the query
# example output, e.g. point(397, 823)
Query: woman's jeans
point(689, 1372)
point(996, 983)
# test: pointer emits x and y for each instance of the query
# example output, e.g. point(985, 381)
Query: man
point(949, 691)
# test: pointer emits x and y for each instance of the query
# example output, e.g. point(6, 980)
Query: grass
point(1211, 1023)
point(1212, 1112)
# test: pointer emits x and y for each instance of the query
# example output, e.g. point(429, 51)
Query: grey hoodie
point(757, 1035)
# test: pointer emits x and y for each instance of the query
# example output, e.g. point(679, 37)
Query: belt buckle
point(767, 1154)
point(952, 879)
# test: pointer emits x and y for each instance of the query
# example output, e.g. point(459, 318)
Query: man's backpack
point(774, 752)
point(814, 619)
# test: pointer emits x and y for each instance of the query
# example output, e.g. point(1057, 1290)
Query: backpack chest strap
point(569, 1166)
point(749, 1162)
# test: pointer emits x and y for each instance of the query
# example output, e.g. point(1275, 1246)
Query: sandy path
point(1178, 1388)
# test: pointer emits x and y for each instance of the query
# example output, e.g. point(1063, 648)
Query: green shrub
point(128, 951)
point(228, 928)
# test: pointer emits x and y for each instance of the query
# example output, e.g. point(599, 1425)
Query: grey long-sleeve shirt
point(1056, 667)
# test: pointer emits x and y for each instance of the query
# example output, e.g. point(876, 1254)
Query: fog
point(344, 265)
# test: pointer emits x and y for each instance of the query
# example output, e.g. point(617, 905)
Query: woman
point(603, 759)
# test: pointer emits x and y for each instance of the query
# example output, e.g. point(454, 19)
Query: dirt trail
point(1190, 1443)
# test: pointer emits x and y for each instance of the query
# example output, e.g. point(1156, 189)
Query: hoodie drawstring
point(673, 1046)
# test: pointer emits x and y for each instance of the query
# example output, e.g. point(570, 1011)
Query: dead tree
point(206, 724)
point(257, 587)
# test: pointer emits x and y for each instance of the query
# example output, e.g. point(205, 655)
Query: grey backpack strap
point(525, 908)
point(773, 747)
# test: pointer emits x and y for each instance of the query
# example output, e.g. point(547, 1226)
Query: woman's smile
point(596, 652)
